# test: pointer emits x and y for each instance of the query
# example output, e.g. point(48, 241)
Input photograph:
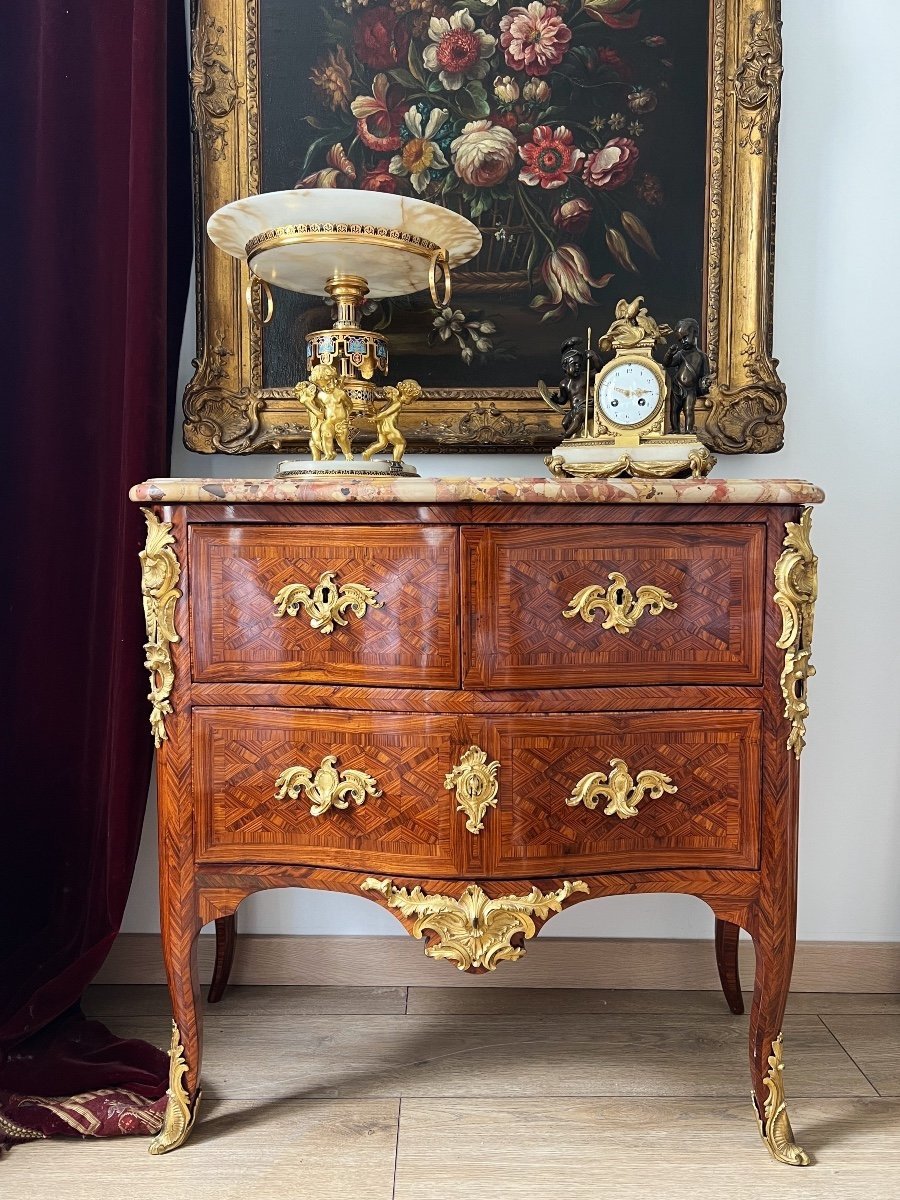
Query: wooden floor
point(500, 1094)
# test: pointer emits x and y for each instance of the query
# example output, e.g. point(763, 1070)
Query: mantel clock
point(637, 404)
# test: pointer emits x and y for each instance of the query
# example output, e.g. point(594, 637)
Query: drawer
point(685, 792)
point(400, 793)
point(609, 605)
point(364, 791)
point(402, 631)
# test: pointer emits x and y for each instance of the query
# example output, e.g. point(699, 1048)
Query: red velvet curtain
point(96, 184)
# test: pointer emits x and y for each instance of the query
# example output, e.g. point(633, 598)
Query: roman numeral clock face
point(629, 394)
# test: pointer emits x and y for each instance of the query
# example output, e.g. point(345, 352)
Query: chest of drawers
point(476, 702)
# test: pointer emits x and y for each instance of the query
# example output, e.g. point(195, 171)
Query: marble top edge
point(538, 490)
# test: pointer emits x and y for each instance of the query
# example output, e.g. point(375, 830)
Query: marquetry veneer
point(476, 703)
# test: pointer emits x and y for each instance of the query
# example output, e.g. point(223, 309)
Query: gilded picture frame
point(227, 409)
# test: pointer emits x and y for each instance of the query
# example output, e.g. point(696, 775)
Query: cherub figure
point(329, 409)
point(386, 419)
point(689, 375)
point(571, 397)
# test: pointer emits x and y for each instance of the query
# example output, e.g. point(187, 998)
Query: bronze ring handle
point(267, 296)
point(439, 259)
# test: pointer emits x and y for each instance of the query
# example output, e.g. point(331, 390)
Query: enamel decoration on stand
point(634, 414)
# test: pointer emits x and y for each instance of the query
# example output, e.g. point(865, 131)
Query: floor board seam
point(396, 1149)
point(850, 1056)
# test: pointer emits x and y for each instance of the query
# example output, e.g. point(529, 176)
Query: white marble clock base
point(664, 457)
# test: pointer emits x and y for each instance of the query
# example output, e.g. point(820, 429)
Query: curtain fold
point(97, 201)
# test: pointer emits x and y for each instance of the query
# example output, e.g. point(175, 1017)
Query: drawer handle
point(326, 789)
point(472, 930)
point(475, 780)
point(622, 793)
point(326, 603)
point(623, 610)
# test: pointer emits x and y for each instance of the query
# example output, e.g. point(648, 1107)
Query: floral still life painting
point(573, 134)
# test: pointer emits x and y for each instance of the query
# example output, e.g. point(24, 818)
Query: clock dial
point(629, 394)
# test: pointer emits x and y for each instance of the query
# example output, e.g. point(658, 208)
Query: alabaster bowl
point(301, 238)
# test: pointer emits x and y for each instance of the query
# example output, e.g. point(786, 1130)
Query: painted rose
point(483, 154)
point(611, 13)
point(340, 171)
point(612, 165)
point(379, 179)
point(549, 158)
point(379, 116)
point(573, 215)
point(380, 39)
point(534, 38)
point(421, 153)
point(566, 274)
point(457, 50)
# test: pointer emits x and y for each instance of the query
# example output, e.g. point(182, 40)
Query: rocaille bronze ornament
point(631, 411)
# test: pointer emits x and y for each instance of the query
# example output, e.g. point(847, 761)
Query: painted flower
point(650, 190)
point(457, 50)
point(420, 154)
point(379, 116)
point(534, 38)
point(469, 329)
point(616, 121)
point(550, 158)
point(332, 76)
point(340, 171)
point(567, 276)
point(379, 179)
point(642, 100)
point(380, 39)
point(483, 154)
point(506, 89)
point(612, 165)
point(536, 91)
point(607, 57)
point(573, 215)
point(611, 13)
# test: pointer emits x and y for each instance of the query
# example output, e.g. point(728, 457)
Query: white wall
point(835, 332)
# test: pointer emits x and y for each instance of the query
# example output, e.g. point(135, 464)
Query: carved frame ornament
point(226, 408)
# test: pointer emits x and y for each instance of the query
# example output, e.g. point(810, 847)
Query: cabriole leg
point(727, 937)
point(180, 930)
point(226, 941)
point(774, 961)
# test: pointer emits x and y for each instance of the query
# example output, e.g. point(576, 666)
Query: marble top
point(540, 490)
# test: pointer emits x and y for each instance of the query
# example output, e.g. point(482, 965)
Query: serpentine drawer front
point(336, 789)
point(325, 604)
point(559, 793)
point(478, 703)
point(613, 604)
point(685, 791)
